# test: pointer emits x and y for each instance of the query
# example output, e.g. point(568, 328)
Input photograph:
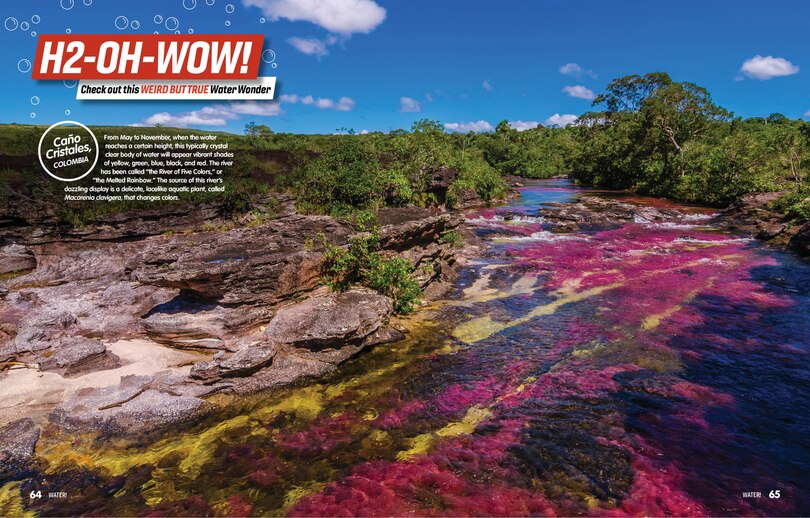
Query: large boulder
point(262, 265)
point(78, 355)
point(331, 320)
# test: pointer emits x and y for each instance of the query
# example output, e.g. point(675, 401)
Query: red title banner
point(148, 56)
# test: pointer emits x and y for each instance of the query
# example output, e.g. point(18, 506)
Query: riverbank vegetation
point(647, 134)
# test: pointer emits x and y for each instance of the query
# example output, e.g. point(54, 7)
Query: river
point(644, 369)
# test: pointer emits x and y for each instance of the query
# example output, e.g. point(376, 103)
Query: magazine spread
point(425, 258)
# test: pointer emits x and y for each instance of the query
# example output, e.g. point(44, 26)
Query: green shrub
point(795, 204)
point(361, 263)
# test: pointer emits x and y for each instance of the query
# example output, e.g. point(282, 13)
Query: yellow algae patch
point(570, 286)
point(480, 328)
point(653, 321)
point(480, 291)
point(11, 502)
point(422, 443)
point(294, 495)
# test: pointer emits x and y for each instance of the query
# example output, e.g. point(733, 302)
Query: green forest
point(647, 134)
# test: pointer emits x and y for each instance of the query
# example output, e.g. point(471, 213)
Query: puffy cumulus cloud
point(466, 127)
point(560, 120)
point(768, 67)
point(486, 85)
point(337, 16)
point(344, 104)
point(523, 125)
point(574, 70)
point(215, 115)
point(580, 92)
point(409, 105)
point(311, 46)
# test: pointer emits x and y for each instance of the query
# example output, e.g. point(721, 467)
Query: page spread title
point(156, 66)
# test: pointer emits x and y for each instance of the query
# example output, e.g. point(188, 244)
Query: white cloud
point(344, 104)
point(364, 132)
point(466, 127)
point(217, 115)
point(264, 109)
point(486, 85)
point(337, 16)
point(560, 120)
point(311, 46)
point(523, 125)
point(768, 67)
point(214, 115)
point(574, 70)
point(807, 113)
point(409, 105)
point(580, 92)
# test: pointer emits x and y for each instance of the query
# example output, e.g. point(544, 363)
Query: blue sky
point(379, 65)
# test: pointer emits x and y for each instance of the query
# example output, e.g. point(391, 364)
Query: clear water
point(644, 370)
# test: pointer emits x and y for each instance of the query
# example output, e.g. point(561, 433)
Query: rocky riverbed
point(131, 324)
point(589, 352)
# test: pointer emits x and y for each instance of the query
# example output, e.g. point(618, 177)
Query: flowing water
point(646, 369)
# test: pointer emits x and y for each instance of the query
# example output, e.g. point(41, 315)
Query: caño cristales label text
point(69, 146)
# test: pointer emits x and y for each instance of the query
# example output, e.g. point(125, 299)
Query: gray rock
point(139, 404)
point(18, 440)
point(16, 258)
point(332, 320)
point(78, 355)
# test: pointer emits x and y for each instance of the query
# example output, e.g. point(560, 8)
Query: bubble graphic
point(177, 32)
point(262, 20)
point(191, 31)
point(24, 26)
point(23, 65)
point(67, 5)
point(87, 2)
point(34, 34)
point(227, 23)
point(33, 115)
point(158, 18)
point(121, 23)
point(189, 4)
point(135, 24)
point(67, 112)
point(156, 32)
point(210, 2)
point(68, 31)
point(70, 83)
point(35, 100)
point(229, 8)
point(268, 56)
point(11, 23)
point(274, 65)
point(35, 19)
point(172, 23)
